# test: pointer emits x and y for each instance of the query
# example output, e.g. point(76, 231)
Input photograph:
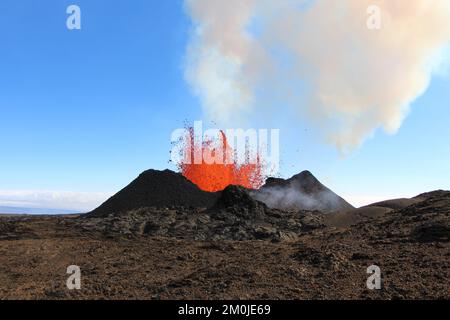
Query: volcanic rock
point(238, 197)
point(234, 216)
point(188, 223)
point(432, 232)
point(195, 253)
point(157, 189)
point(301, 192)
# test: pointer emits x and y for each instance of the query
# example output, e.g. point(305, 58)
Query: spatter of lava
point(217, 176)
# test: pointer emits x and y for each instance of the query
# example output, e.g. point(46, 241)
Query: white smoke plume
point(351, 79)
point(291, 198)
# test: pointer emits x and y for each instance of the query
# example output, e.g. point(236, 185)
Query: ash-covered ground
point(163, 238)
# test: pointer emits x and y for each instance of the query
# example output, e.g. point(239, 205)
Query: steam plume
point(354, 79)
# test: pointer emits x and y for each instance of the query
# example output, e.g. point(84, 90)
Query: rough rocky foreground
point(237, 249)
point(235, 216)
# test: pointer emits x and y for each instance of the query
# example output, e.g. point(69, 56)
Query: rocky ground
point(239, 249)
point(235, 216)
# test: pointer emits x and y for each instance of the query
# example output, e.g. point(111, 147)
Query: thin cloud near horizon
point(87, 201)
point(63, 200)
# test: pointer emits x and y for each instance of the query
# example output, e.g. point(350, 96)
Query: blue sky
point(83, 112)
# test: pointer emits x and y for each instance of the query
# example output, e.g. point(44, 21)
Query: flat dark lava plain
point(142, 256)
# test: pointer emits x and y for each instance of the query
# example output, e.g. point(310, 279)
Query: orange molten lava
point(215, 177)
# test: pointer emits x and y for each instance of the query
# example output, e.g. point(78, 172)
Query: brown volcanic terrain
point(238, 248)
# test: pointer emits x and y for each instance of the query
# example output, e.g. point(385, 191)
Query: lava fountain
point(217, 175)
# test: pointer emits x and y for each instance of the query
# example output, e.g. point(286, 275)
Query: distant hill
point(301, 192)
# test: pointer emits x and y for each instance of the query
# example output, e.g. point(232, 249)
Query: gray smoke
point(354, 80)
point(290, 198)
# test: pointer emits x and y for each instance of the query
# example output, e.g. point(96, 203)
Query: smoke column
point(352, 79)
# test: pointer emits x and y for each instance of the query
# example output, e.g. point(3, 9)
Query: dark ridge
point(237, 196)
point(304, 181)
point(301, 192)
point(307, 183)
point(157, 189)
point(434, 194)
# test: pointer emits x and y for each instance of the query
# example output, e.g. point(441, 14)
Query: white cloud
point(347, 79)
point(65, 200)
